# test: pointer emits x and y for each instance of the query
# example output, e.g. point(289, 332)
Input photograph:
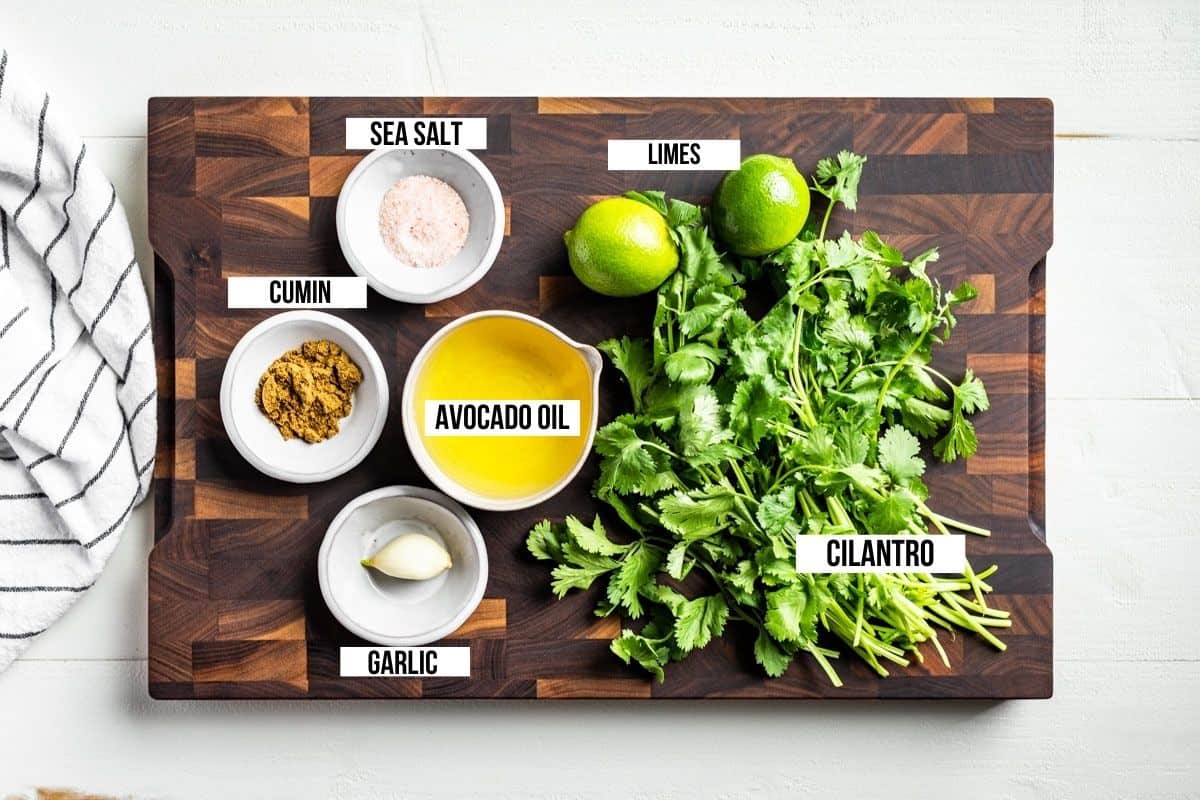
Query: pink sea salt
point(423, 221)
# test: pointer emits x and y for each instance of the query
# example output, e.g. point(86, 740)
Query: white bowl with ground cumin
point(260, 441)
point(420, 225)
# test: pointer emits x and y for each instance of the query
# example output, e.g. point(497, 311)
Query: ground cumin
point(306, 391)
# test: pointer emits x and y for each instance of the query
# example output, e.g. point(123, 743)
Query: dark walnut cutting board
point(248, 186)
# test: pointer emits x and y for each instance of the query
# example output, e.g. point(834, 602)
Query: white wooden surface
point(1123, 446)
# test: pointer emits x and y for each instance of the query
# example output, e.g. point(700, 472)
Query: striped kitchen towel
point(77, 380)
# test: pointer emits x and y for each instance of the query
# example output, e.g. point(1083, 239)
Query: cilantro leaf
point(756, 401)
point(795, 258)
point(917, 265)
point(710, 305)
point(860, 476)
point(770, 656)
point(627, 454)
point(544, 542)
point(971, 394)
point(651, 197)
point(775, 569)
point(775, 510)
point(701, 430)
point(696, 515)
point(630, 580)
point(665, 596)
point(887, 254)
point(692, 363)
point(650, 654)
point(893, 513)
point(922, 416)
point(789, 616)
point(960, 440)
point(578, 576)
point(838, 180)
point(898, 455)
point(962, 293)
point(680, 213)
point(632, 357)
point(698, 621)
point(677, 565)
point(593, 539)
point(849, 331)
point(741, 583)
point(699, 260)
point(818, 448)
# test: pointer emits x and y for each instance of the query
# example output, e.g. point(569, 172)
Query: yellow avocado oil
point(496, 358)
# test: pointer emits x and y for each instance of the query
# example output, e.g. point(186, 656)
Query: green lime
point(760, 206)
point(621, 248)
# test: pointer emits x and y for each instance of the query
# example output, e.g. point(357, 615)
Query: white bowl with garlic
point(402, 566)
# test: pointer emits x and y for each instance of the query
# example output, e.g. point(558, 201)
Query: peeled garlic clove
point(412, 556)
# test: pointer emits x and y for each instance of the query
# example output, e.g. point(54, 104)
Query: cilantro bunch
point(744, 433)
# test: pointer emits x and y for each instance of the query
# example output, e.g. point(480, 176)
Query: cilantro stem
point(987, 573)
point(663, 449)
point(850, 375)
point(974, 582)
point(807, 417)
point(682, 302)
point(813, 281)
point(796, 407)
point(957, 615)
point(962, 526)
point(858, 614)
point(825, 221)
point(843, 626)
point(887, 383)
point(838, 513)
point(806, 500)
point(783, 426)
point(968, 572)
point(937, 645)
point(741, 478)
point(830, 672)
point(937, 374)
point(934, 585)
point(812, 382)
point(873, 364)
point(985, 610)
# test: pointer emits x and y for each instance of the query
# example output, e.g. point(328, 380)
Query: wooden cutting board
point(248, 186)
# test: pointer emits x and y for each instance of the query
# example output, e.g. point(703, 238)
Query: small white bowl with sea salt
point(410, 245)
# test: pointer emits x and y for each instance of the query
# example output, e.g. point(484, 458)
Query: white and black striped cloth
point(77, 380)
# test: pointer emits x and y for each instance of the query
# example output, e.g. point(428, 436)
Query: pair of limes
point(622, 247)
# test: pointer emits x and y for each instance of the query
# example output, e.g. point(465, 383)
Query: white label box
point(888, 553)
point(296, 292)
point(405, 662)
point(674, 155)
point(409, 133)
point(502, 418)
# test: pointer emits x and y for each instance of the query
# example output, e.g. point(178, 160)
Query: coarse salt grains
point(423, 221)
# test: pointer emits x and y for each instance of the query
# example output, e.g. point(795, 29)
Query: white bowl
point(363, 245)
point(393, 611)
point(595, 364)
point(259, 441)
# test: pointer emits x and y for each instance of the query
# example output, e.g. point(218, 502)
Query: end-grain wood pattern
point(249, 186)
